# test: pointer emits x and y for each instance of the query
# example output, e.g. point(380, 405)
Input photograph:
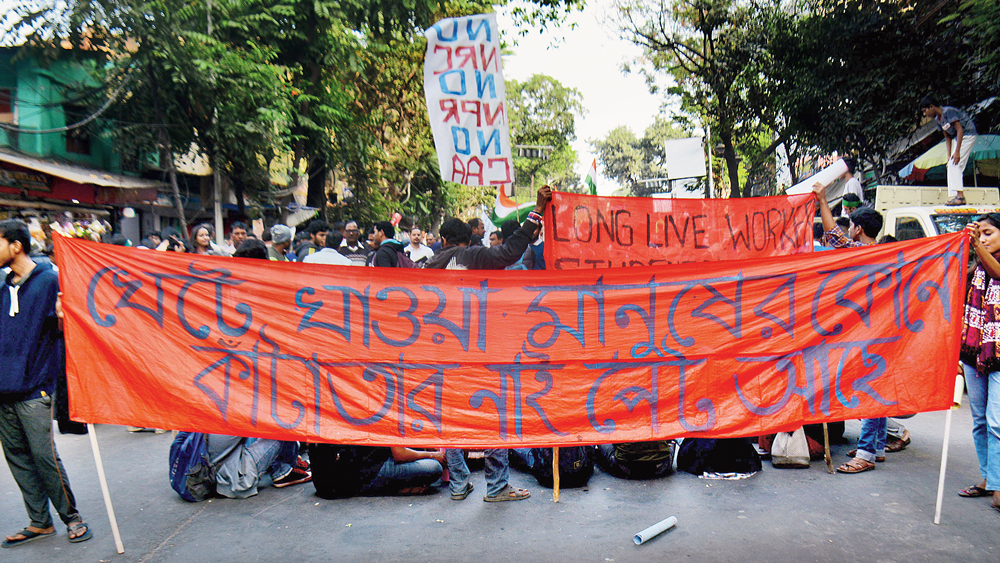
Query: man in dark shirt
point(30, 350)
point(457, 254)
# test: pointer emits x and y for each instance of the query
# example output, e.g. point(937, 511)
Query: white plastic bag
point(790, 450)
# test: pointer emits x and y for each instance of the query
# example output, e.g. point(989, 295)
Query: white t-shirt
point(328, 256)
point(417, 254)
point(853, 187)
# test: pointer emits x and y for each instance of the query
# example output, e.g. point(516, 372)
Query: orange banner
point(496, 358)
point(586, 231)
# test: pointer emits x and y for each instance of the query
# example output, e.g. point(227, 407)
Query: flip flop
point(73, 527)
point(974, 491)
point(508, 494)
point(28, 536)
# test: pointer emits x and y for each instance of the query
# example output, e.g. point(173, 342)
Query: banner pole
point(104, 488)
point(826, 450)
point(555, 474)
point(944, 463)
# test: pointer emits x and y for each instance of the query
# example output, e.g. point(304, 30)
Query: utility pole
point(708, 149)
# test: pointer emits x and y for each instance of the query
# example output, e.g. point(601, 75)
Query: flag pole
point(944, 463)
point(104, 488)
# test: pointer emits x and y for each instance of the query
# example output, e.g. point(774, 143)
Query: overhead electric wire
point(78, 124)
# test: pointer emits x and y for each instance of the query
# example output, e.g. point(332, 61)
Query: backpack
point(576, 465)
point(343, 471)
point(403, 261)
point(191, 472)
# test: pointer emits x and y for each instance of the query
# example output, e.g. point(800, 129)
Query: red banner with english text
point(586, 231)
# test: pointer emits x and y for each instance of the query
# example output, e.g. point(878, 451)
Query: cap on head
point(281, 234)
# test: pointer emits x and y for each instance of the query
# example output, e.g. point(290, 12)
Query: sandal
point(73, 529)
point(856, 465)
point(508, 493)
point(974, 491)
point(898, 444)
point(465, 492)
point(957, 200)
point(854, 453)
point(26, 536)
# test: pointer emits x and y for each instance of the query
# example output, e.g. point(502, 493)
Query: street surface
point(884, 516)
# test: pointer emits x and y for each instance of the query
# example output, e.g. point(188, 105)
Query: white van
point(918, 211)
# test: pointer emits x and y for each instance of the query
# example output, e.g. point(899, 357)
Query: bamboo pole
point(826, 449)
point(555, 474)
point(104, 488)
point(944, 463)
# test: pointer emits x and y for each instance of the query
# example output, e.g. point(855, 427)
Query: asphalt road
point(804, 515)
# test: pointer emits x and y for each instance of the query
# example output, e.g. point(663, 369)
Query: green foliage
point(842, 75)
point(542, 112)
point(338, 86)
point(980, 24)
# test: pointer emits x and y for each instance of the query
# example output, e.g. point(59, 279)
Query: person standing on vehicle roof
point(959, 136)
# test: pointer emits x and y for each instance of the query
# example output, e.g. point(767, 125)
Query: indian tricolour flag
point(591, 177)
point(507, 208)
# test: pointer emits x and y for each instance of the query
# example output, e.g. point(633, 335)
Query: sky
point(588, 58)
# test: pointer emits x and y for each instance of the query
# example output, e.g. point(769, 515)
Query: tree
point(979, 22)
point(629, 159)
point(186, 78)
point(543, 112)
point(338, 86)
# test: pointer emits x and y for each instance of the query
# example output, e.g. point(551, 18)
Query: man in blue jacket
point(30, 348)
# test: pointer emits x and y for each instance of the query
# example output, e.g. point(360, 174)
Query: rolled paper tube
point(825, 177)
point(654, 530)
point(959, 390)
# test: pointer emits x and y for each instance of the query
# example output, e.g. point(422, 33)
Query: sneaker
point(294, 477)
point(302, 464)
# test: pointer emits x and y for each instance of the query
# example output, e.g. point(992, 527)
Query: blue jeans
point(395, 476)
point(984, 402)
point(274, 459)
point(497, 471)
point(871, 444)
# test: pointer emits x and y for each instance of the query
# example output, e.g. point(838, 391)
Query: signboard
point(467, 102)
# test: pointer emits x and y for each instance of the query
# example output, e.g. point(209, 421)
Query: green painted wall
point(40, 90)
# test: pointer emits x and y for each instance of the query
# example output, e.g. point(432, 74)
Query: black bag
point(342, 471)
point(576, 465)
point(707, 455)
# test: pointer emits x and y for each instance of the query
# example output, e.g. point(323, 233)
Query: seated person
point(637, 460)
point(242, 465)
point(341, 471)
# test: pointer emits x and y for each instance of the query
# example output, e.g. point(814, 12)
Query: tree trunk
point(732, 165)
point(168, 154)
point(317, 185)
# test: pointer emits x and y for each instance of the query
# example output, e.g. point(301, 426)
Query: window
point(77, 140)
point(908, 228)
point(6, 105)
